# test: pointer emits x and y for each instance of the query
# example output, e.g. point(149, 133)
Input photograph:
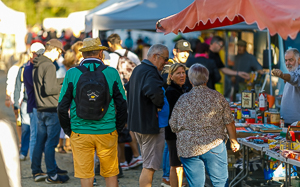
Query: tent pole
point(270, 64)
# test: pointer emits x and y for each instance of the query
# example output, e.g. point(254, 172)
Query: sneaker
point(22, 157)
point(58, 180)
point(135, 162)
point(95, 182)
point(40, 177)
point(124, 165)
point(165, 183)
point(60, 171)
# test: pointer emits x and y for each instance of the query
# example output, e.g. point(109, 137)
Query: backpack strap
point(126, 53)
point(101, 67)
point(82, 68)
point(117, 53)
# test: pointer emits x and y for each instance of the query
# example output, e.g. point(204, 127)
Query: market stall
point(277, 16)
point(131, 14)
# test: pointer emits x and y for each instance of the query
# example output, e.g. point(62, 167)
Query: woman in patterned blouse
point(199, 120)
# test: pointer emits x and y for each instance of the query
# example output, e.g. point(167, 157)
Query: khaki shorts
point(152, 147)
point(84, 147)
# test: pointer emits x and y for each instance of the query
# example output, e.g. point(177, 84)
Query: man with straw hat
point(92, 130)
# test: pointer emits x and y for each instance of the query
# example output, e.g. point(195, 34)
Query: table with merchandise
point(281, 154)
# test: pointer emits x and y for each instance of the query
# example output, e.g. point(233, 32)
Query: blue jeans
point(25, 121)
point(166, 162)
point(33, 131)
point(47, 139)
point(214, 161)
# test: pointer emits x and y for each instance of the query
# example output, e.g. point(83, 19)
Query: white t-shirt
point(11, 82)
point(114, 58)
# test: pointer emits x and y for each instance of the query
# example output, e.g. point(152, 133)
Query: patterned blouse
point(199, 120)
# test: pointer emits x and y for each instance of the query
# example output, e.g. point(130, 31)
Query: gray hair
point(156, 49)
point(198, 74)
point(295, 51)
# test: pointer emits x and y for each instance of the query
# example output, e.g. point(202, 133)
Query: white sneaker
point(135, 162)
point(124, 166)
point(22, 157)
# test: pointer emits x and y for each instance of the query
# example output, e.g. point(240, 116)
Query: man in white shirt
point(115, 44)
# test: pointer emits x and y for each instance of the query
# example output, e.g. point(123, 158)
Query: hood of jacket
point(39, 60)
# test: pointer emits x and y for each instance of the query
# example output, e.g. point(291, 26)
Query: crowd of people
point(96, 98)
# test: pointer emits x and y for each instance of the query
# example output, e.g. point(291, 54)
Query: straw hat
point(92, 44)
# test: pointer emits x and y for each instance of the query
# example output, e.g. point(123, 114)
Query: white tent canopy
point(76, 21)
point(135, 14)
point(108, 7)
point(13, 22)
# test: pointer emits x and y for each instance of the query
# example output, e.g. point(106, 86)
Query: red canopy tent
point(278, 16)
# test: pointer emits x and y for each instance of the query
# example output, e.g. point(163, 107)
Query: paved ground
point(64, 161)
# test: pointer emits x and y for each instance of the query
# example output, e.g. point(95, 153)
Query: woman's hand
point(235, 146)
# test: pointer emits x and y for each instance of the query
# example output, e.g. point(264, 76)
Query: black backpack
point(92, 93)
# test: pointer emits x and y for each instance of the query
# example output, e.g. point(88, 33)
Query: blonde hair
point(172, 70)
point(69, 59)
point(22, 59)
point(75, 47)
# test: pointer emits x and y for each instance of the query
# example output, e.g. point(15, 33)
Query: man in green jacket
point(88, 136)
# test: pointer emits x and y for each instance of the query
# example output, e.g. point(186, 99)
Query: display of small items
point(262, 139)
point(254, 110)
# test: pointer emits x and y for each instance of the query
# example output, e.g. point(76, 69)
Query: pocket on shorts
point(219, 149)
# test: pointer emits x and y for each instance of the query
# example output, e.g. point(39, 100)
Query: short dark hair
point(114, 39)
point(216, 39)
point(90, 53)
point(202, 48)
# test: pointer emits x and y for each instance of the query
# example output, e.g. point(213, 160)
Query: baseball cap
point(183, 45)
point(242, 43)
point(56, 43)
point(37, 48)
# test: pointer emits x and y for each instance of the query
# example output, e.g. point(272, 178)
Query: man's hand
point(244, 75)
point(277, 73)
point(235, 146)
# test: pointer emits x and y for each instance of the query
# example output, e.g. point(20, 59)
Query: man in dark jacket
point(46, 91)
point(145, 98)
point(36, 49)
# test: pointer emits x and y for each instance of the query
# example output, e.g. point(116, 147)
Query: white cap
point(38, 48)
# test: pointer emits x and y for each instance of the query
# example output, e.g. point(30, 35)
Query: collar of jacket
point(177, 87)
point(88, 60)
point(173, 61)
point(147, 62)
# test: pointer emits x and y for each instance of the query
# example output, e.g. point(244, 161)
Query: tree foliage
point(37, 10)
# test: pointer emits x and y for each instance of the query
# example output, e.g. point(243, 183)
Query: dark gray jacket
point(46, 85)
point(144, 97)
